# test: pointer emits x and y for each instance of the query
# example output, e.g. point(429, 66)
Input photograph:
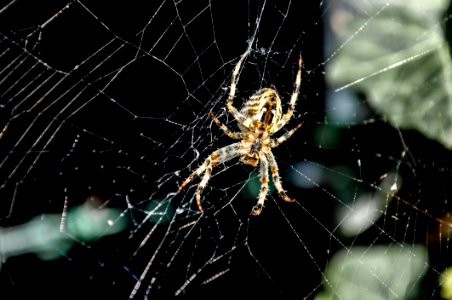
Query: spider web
point(105, 111)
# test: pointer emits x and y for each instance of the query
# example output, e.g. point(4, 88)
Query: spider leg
point(229, 133)
point(194, 174)
point(276, 178)
point(240, 118)
point(263, 173)
point(210, 162)
point(219, 156)
point(276, 142)
point(293, 100)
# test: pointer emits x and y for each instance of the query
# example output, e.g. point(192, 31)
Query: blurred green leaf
point(89, 223)
point(44, 236)
point(445, 280)
point(253, 186)
point(396, 53)
point(376, 273)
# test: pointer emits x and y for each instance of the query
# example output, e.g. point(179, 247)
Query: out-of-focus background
point(104, 111)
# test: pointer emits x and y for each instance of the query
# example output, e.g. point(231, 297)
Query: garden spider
point(260, 118)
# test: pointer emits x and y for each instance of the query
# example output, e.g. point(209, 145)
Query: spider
point(259, 119)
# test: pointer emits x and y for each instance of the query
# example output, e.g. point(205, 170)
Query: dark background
point(143, 98)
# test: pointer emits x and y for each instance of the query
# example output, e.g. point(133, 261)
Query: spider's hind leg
point(293, 100)
point(231, 134)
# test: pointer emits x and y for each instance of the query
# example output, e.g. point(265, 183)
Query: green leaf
point(396, 53)
point(377, 273)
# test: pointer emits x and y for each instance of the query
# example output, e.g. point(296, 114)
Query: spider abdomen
point(263, 108)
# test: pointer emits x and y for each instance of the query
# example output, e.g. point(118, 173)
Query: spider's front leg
point(219, 156)
point(276, 179)
point(263, 173)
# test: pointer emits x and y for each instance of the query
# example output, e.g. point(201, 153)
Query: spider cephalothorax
point(260, 118)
